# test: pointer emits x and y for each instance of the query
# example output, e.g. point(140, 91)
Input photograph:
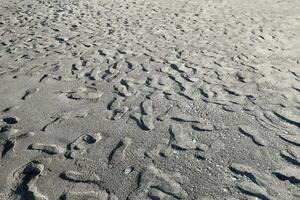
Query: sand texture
point(157, 99)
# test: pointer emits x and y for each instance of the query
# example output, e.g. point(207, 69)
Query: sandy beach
point(159, 100)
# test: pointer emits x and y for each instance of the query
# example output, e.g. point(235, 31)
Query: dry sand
point(158, 99)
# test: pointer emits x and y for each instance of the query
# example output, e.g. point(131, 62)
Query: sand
point(161, 99)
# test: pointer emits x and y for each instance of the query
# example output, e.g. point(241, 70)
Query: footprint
point(293, 139)
point(118, 113)
point(231, 107)
point(119, 152)
point(206, 92)
point(8, 139)
point(44, 78)
point(161, 149)
point(83, 177)
point(164, 115)
point(95, 74)
point(145, 118)
point(154, 182)
point(83, 113)
point(288, 117)
point(254, 190)
point(292, 155)
point(8, 146)
point(81, 144)
point(260, 184)
point(47, 148)
point(249, 172)
point(203, 125)
point(253, 134)
point(184, 118)
point(57, 118)
point(181, 138)
point(24, 180)
point(112, 75)
point(198, 124)
point(84, 93)
point(159, 83)
point(10, 120)
point(114, 104)
point(126, 87)
point(116, 110)
point(290, 173)
point(147, 114)
point(11, 108)
point(29, 93)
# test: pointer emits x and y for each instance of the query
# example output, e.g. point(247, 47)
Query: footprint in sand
point(29, 93)
point(84, 93)
point(253, 134)
point(126, 87)
point(24, 181)
point(292, 139)
point(181, 138)
point(119, 152)
point(9, 136)
point(81, 144)
point(116, 110)
point(292, 155)
point(144, 119)
point(288, 117)
point(260, 184)
point(47, 148)
point(83, 177)
point(10, 120)
point(155, 184)
point(95, 74)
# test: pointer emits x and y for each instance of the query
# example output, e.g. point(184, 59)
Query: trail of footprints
point(153, 184)
point(180, 139)
point(219, 74)
point(24, 179)
point(265, 185)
